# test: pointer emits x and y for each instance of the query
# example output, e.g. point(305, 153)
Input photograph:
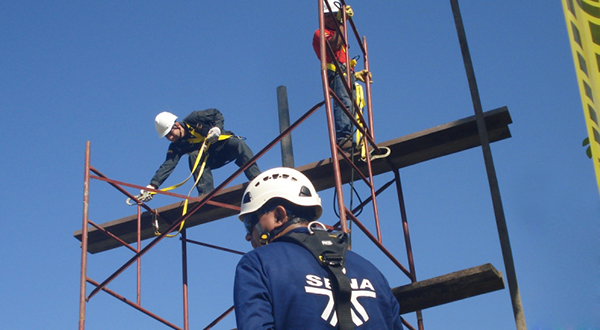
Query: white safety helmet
point(280, 182)
point(163, 122)
point(333, 4)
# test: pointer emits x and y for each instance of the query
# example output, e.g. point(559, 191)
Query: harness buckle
point(332, 259)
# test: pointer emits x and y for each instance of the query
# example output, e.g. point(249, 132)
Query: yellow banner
point(583, 24)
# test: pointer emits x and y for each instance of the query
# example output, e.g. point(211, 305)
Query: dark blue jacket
point(201, 121)
point(282, 286)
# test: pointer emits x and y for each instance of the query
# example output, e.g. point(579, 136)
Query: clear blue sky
point(100, 71)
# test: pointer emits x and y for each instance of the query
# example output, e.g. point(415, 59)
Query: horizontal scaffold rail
point(405, 151)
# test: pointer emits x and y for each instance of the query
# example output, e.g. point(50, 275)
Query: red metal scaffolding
point(362, 122)
point(364, 125)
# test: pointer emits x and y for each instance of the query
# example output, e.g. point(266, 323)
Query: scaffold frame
point(365, 173)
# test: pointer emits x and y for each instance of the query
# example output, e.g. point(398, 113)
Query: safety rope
point(362, 145)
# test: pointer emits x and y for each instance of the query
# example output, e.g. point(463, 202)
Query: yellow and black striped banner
point(583, 24)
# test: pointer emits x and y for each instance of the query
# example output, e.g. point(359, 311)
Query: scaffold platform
point(408, 150)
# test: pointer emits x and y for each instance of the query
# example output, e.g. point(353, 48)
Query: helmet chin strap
point(267, 237)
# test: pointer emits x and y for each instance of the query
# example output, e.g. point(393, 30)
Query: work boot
point(346, 144)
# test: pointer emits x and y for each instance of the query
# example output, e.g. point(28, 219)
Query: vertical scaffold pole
point(186, 322)
point(138, 249)
point(287, 151)
point(409, 252)
point(84, 237)
point(330, 123)
point(509, 265)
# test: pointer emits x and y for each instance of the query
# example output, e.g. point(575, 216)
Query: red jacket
point(340, 54)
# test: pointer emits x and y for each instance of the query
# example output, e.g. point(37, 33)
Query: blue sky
point(100, 71)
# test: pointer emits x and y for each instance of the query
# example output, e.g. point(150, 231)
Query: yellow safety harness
point(197, 138)
point(331, 66)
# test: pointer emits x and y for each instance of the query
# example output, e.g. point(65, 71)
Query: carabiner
point(310, 224)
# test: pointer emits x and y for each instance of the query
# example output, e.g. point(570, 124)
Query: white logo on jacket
point(322, 286)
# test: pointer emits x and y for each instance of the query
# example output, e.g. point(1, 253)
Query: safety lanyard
point(203, 148)
point(185, 203)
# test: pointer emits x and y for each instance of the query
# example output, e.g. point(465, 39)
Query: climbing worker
point(334, 33)
point(299, 275)
point(188, 136)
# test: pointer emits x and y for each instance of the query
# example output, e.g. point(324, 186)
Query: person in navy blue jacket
point(187, 137)
point(281, 285)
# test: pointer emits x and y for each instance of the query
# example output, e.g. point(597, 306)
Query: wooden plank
point(448, 288)
point(405, 151)
point(419, 147)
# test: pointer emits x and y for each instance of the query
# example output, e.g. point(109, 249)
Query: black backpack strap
point(330, 251)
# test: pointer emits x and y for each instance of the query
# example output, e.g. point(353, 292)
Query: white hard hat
point(163, 122)
point(333, 4)
point(280, 182)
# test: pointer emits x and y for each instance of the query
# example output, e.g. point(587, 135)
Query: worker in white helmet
point(188, 136)
point(301, 276)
